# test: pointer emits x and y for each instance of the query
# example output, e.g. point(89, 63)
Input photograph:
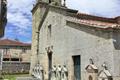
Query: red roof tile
point(96, 21)
point(8, 42)
point(96, 18)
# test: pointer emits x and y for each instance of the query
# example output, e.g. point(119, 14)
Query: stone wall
point(15, 67)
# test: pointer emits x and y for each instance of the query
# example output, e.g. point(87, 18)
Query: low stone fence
point(15, 67)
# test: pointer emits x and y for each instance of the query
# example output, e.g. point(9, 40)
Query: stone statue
point(64, 73)
point(58, 72)
point(38, 72)
point(105, 73)
point(34, 72)
point(54, 73)
point(104, 66)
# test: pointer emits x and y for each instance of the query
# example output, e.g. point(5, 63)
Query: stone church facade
point(65, 37)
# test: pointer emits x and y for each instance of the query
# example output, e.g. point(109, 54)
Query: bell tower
point(53, 2)
point(39, 11)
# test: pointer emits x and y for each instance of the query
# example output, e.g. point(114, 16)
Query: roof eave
point(96, 26)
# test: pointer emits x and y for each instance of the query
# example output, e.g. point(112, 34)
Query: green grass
point(13, 77)
point(10, 77)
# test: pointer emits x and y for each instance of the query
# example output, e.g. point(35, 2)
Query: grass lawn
point(13, 77)
point(10, 77)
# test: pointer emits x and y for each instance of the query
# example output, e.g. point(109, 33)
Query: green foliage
point(10, 77)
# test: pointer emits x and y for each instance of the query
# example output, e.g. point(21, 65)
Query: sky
point(20, 18)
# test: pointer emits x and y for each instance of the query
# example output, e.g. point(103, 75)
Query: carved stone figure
point(64, 73)
point(54, 73)
point(92, 71)
point(105, 73)
point(38, 72)
point(59, 73)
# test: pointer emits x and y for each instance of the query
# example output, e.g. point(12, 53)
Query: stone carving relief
point(38, 72)
point(54, 73)
point(59, 73)
point(92, 70)
point(64, 73)
point(104, 74)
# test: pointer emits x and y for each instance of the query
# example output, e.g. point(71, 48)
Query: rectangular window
point(49, 34)
point(6, 59)
point(49, 30)
point(14, 59)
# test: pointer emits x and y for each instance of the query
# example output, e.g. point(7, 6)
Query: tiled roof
point(96, 18)
point(91, 20)
point(8, 42)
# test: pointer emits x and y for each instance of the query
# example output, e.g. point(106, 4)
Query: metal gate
point(77, 67)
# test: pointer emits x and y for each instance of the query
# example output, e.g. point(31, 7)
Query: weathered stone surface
point(15, 67)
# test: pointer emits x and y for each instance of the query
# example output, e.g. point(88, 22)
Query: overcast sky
point(19, 14)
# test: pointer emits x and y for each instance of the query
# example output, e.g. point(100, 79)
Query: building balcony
point(11, 56)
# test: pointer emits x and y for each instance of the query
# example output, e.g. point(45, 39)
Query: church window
point(49, 34)
point(49, 30)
